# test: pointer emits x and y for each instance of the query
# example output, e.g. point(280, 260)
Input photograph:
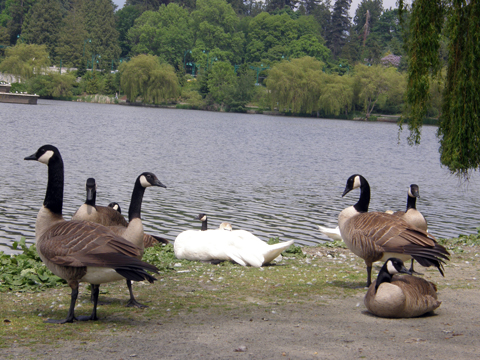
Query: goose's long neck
point(136, 202)
point(411, 202)
point(362, 205)
point(54, 195)
point(383, 276)
point(204, 225)
point(91, 200)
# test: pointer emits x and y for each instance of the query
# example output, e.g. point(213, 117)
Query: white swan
point(333, 234)
point(239, 246)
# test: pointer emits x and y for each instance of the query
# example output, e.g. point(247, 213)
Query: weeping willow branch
point(459, 130)
point(426, 23)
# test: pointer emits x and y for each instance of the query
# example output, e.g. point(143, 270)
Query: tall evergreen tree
point(147, 5)
point(273, 5)
point(13, 16)
point(73, 42)
point(101, 30)
point(125, 19)
point(320, 9)
point(42, 25)
point(339, 26)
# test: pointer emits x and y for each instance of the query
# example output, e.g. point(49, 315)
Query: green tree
point(144, 76)
point(389, 32)
point(166, 33)
point(308, 45)
point(273, 37)
point(146, 5)
point(73, 43)
point(125, 19)
point(459, 128)
point(337, 95)
point(100, 25)
point(377, 84)
point(215, 25)
point(52, 85)
point(41, 25)
point(339, 26)
point(221, 81)
point(25, 60)
point(13, 15)
point(272, 6)
point(4, 37)
point(296, 85)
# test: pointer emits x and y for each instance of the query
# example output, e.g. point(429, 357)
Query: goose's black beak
point(31, 157)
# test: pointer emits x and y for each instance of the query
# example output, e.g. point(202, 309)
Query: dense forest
point(212, 53)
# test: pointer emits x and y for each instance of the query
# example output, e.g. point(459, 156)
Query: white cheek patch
point(45, 158)
point(115, 207)
point(391, 269)
point(356, 182)
point(204, 218)
point(144, 182)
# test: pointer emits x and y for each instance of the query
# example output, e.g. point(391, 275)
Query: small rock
point(241, 348)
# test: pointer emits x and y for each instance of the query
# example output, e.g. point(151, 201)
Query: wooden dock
point(14, 98)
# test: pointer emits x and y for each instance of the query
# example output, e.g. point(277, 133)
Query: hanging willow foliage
point(459, 129)
point(423, 43)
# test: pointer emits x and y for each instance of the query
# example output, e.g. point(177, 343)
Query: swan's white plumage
point(239, 246)
point(333, 234)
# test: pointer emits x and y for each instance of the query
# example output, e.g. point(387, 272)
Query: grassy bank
point(306, 276)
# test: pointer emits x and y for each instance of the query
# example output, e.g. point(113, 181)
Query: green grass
point(325, 273)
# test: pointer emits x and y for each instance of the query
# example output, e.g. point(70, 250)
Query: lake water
point(275, 176)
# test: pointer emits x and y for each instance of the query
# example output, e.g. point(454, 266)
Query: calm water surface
point(275, 176)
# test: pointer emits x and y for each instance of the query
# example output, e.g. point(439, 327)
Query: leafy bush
point(292, 251)
point(52, 86)
point(20, 87)
point(162, 256)
point(455, 244)
point(25, 271)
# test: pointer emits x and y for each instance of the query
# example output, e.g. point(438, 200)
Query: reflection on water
point(275, 176)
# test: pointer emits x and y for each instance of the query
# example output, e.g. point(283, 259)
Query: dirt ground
point(338, 328)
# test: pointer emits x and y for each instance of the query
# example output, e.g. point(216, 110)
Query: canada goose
point(411, 215)
point(239, 246)
point(225, 226)
point(115, 206)
point(132, 230)
point(400, 296)
point(375, 236)
point(203, 218)
point(80, 251)
point(105, 216)
point(333, 234)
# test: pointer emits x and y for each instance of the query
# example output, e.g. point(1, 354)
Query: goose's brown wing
point(110, 217)
point(152, 240)
point(386, 233)
point(81, 243)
